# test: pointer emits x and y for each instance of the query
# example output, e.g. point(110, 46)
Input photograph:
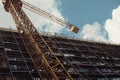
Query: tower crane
point(43, 57)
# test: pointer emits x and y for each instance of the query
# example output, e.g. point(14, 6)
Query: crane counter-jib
point(50, 16)
point(20, 3)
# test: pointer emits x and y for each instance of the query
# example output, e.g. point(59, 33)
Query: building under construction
point(89, 60)
point(29, 55)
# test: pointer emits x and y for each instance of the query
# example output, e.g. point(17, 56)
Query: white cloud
point(112, 26)
point(5, 18)
point(43, 24)
point(50, 6)
point(94, 32)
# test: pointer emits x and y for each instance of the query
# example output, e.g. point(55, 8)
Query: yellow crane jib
point(49, 16)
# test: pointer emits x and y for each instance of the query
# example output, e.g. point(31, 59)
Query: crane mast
point(47, 65)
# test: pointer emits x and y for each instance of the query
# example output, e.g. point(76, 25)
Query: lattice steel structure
point(52, 58)
point(90, 60)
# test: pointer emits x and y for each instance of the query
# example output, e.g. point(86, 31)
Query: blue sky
point(98, 20)
point(81, 12)
point(94, 17)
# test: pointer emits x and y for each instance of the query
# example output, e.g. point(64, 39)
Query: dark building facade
point(92, 60)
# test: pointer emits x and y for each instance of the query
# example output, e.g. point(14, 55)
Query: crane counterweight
point(74, 29)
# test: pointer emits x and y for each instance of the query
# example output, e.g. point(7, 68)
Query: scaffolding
point(15, 62)
point(83, 60)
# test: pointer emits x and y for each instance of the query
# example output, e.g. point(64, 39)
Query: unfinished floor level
point(90, 60)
